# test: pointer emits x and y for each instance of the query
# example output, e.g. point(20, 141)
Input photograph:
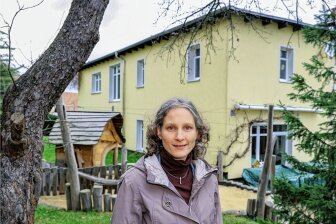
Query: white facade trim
point(276, 108)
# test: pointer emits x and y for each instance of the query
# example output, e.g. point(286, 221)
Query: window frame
point(96, 83)
point(139, 144)
point(288, 142)
point(140, 80)
point(289, 60)
point(115, 93)
point(192, 59)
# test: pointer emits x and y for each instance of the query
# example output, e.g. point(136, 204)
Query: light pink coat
point(146, 196)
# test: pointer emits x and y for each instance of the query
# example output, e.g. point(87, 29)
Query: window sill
point(94, 93)
point(114, 101)
point(140, 87)
point(194, 80)
point(285, 81)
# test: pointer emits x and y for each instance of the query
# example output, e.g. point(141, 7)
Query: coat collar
point(156, 175)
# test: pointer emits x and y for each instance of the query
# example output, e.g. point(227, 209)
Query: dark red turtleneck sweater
point(176, 169)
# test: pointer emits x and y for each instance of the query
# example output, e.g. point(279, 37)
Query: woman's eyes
point(170, 128)
point(188, 128)
point(185, 128)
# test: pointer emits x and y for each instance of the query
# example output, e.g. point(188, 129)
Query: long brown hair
point(154, 143)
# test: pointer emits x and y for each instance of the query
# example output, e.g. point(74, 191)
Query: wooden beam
point(296, 28)
point(264, 176)
point(282, 24)
point(247, 19)
point(265, 21)
point(98, 180)
point(69, 155)
point(115, 160)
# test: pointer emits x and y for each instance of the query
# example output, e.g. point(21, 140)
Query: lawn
point(49, 153)
point(46, 214)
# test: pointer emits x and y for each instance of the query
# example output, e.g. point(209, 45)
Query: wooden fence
point(55, 178)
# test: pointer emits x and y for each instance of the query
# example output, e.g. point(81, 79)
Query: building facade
point(248, 67)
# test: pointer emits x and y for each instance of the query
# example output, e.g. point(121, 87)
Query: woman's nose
point(179, 135)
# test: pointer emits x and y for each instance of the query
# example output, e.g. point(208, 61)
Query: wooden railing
point(55, 178)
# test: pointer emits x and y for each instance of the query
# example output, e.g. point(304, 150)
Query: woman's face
point(178, 133)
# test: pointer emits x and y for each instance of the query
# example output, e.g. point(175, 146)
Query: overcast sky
point(125, 22)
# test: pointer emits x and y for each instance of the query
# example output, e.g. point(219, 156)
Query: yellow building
point(249, 68)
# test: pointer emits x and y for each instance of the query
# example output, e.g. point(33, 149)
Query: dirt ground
point(233, 199)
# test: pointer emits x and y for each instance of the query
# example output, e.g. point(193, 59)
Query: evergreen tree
point(315, 201)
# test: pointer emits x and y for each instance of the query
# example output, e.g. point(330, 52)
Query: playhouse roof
point(87, 127)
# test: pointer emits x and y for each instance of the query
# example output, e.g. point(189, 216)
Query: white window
point(140, 73)
point(259, 138)
point(139, 135)
point(96, 83)
point(194, 63)
point(115, 82)
point(286, 64)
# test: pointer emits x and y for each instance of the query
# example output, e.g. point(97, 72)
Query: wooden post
point(220, 161)
point(61, 180)
point(95, 171)
point(85, 196)
point(79, 157)
point(115, 157)
point(47, 181)
point(263, 180)
point(54, 180)
point(107, 202)
point(273, 172)
point(68, 196)
point(251, 207)
point(103, 175)
point(123, 160)
point(69, 155)
point(268, 210)
point(110, 176)
point(97, 197)
point(114, 198)
point(42, 182)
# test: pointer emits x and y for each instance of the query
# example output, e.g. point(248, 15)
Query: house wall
point(254, 79)
point(250, 76)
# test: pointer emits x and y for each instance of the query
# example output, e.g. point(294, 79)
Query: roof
point(86, 127)
point(223, 12)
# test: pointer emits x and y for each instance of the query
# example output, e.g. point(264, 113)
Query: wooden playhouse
point(93, 135)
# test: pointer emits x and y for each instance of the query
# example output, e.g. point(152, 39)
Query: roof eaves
point(167, 33)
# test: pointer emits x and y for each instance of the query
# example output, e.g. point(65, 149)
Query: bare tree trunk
point(69, 155)
point(26, 107)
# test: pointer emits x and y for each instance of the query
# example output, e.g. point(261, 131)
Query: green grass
point(49, 153)
point(46, 214)
point(232, 219)
point(132, 157)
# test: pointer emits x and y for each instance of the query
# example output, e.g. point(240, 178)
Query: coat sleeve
point(218, 207)
point(128, 207)
point(219, 217)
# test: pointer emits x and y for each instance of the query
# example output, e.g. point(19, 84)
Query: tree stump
point(97, 197)
point(68, 195)
point(85, 196)
point(107, 202)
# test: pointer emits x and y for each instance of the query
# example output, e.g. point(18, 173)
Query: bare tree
point(26, 107)
point(206, 15)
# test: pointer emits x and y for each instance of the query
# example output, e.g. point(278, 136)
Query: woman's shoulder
point(135, 171)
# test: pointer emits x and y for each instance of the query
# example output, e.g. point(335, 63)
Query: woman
point(171, 183)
